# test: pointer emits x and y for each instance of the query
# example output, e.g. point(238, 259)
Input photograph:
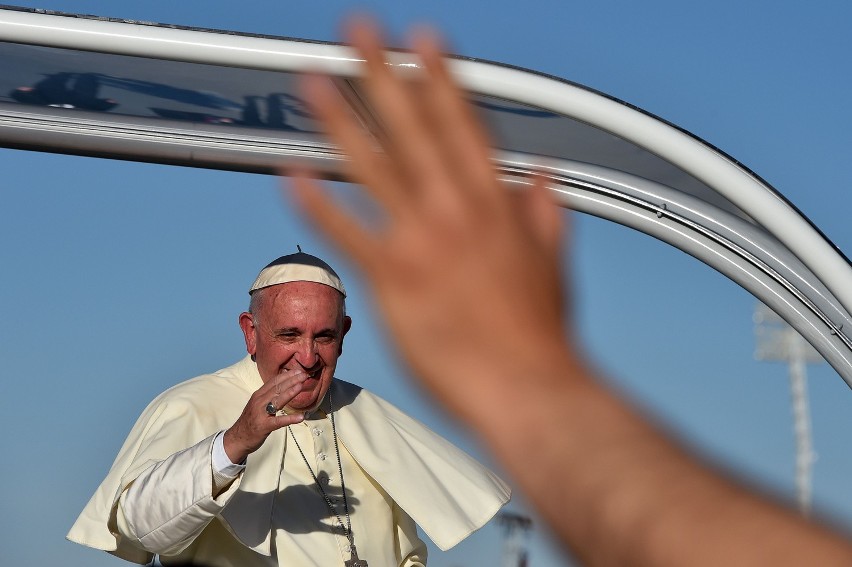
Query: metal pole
point(805, 456)
point(778, 341)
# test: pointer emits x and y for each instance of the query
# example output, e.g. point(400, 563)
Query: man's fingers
point(544, 216)
point(343, 230)
point(283, 420)
point(287, 381)
point(280, 389)
point(288, 392)
point(408, 140)
point(365, 164)
point(452, 118)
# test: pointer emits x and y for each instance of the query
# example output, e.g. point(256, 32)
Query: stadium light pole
point(777, 341)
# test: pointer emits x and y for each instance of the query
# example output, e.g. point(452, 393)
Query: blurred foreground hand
point(464, 271)
point(467, 277)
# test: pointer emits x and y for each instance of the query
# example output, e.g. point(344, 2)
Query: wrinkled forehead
point(298, 299)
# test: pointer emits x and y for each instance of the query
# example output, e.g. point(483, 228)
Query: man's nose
point(307, 355)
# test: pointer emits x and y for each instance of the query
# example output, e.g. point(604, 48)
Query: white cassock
point(397, 473)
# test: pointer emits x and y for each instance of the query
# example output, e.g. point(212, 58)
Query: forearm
point(170, 503)
point(619, 492)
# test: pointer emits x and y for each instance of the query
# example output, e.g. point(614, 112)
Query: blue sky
point(121, 279)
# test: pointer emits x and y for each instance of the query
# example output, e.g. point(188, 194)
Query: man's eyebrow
point(298, 331)
point(286, 330)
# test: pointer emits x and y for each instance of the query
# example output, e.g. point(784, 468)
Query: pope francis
point(275, 462)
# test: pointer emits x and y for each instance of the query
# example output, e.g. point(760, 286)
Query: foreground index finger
point(338, 226)
point(406, 137)
point(453, 117)
point(365, 164)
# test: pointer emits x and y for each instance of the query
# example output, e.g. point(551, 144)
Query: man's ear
point(347, 324)
point(249, 332)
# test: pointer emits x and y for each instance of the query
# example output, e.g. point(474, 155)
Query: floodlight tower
point(778, 341)
point(515, 531)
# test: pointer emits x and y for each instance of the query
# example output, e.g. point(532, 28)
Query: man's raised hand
point(256, 423)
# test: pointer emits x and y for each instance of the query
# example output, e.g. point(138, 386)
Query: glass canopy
point(206, 98)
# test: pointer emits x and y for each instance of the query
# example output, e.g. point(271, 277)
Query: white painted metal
point(673, 145)
point(662, 139)
point(176, 44)
point(771, 265)
point(765, 269)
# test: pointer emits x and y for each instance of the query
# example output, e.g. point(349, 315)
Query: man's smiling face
point(297, 325)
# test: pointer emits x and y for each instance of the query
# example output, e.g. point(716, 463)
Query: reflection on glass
point(135, 86)
point(181, 94)
point(65, 90)
point(526, 129)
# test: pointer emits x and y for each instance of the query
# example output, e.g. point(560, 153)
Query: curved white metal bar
point(765, 269)
point(145, 139)
point(666, 201)
point(771, 292)
point(711, 167)
point(695, 157)
point(177, 44)
point(759, 262)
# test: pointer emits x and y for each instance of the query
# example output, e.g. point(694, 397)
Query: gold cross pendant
point(353, 559)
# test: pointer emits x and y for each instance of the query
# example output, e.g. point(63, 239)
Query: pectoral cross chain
point(353, 559)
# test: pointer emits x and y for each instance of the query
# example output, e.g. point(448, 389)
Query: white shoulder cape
point(444, 490)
